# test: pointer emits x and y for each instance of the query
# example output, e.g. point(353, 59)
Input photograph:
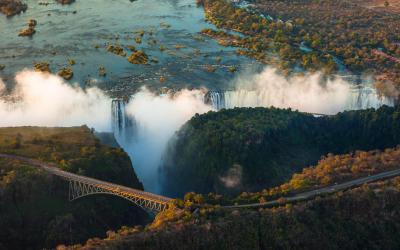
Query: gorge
point(144, 123)
point(222, 105)
point(127, 122)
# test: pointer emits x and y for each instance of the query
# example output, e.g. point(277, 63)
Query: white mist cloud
point(42, 99)
point(2, 87)
point(308, 93)
point(158, 118)
point(233, 177)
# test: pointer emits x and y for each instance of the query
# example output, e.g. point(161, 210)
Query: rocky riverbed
point(114, 50)
point(12, 7)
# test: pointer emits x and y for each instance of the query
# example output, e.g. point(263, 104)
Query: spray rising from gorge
point(145, 122)
point(309, 93)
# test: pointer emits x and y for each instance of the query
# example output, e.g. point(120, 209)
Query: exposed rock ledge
point(65, 1)
point(12, 7)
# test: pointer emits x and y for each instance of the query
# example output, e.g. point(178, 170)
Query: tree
point(17, 142)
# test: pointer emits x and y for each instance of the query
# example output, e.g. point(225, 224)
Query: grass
point(40, 142)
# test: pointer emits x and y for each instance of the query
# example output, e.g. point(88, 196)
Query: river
point(144, 121)
point(74, 31)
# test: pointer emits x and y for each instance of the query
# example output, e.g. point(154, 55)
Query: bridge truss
point(78, 189)
point(81, 186)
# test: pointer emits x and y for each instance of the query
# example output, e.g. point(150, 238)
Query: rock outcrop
point(12, 7)
point(138, 57)
point(66, 73)
point(30, 30)
point(65, 1)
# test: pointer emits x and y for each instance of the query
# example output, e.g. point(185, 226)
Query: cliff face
point(34, 207)
point(366, 217)
point(362, 218)
point(250, 149)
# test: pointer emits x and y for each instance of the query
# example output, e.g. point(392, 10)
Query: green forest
point(366, 217)
point(183, 132)
point(330, 170)
point(34, 209)
point(267, 145)
point(312, 35)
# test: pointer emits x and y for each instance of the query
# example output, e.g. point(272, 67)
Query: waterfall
point(359, 97)
point(216, 99)
point(123, 125)
point(364, 97)
point(118, 116)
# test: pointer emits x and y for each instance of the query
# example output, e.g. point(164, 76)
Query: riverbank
point(283, 39)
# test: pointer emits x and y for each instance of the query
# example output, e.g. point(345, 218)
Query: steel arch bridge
point(78, 189)
point(82, 186)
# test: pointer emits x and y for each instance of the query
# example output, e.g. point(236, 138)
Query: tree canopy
point(268, 145)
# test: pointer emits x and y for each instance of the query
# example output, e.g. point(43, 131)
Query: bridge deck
point(53, 169)
point(162, 200)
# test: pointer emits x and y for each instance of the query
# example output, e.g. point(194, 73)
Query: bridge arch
point(78, 189)
point(81, 186)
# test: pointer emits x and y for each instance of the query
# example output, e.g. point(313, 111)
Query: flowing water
point(83, 35)
point(144, 120)
point(360, 97)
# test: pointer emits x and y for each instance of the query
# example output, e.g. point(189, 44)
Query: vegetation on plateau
point(313, 35)
point(34, 209)
point(330, 170)
point(255, 148)
point(366, 217)
point(12, 7)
